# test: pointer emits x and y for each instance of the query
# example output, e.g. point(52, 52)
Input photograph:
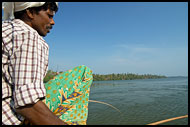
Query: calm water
point(140, 101)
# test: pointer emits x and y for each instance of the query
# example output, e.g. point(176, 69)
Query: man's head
point(39, 15)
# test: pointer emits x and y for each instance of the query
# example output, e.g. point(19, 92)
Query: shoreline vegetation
point(124, 76)
point(100, 77)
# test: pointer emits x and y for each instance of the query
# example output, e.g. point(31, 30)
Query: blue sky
point(126, 37)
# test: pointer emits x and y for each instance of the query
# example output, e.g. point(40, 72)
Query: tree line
point(124, 76)
point(100, 77)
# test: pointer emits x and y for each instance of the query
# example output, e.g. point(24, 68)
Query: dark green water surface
point(140, 101)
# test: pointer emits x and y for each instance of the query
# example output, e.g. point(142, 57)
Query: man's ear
point(30, 13)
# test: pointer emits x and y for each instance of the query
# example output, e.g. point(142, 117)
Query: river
point(140, 102)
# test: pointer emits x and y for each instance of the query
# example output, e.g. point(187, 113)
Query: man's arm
point(40, 114)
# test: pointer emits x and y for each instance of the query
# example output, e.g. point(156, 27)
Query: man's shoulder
point(17, 26)
point(20, 30)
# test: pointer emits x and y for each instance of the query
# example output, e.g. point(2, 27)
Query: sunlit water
point(140, 101)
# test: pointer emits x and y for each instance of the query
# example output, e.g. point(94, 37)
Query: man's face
point(43, 21)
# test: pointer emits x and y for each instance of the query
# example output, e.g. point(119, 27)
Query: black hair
point(48, 5)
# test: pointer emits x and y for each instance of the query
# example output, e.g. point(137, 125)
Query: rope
point(121, 115)
point(167, 120)
point(105, 104)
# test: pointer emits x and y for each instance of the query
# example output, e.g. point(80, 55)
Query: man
point(25, 62)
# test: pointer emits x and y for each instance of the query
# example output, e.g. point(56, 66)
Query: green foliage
point(97, 77)
point(129, 76)
point(50, 74)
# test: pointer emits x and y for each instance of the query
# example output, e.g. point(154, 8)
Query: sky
point(121, 37)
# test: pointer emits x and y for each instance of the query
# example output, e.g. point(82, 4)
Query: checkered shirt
point(24, 66)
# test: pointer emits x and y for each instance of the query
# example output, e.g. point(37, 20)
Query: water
point(140, 101)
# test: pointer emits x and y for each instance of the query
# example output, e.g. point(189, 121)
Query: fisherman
point(25, 62)
point(25, 98)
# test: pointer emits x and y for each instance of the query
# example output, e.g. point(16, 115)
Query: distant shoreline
point(147, 78)
point(177, 76)
point(124, 76)
point(111, 77)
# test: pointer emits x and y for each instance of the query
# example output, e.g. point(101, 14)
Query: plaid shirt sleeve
point(29, 64)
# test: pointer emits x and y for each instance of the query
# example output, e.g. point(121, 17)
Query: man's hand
point(39, 114)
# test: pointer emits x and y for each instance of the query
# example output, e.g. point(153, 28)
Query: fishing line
point(100, 102)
